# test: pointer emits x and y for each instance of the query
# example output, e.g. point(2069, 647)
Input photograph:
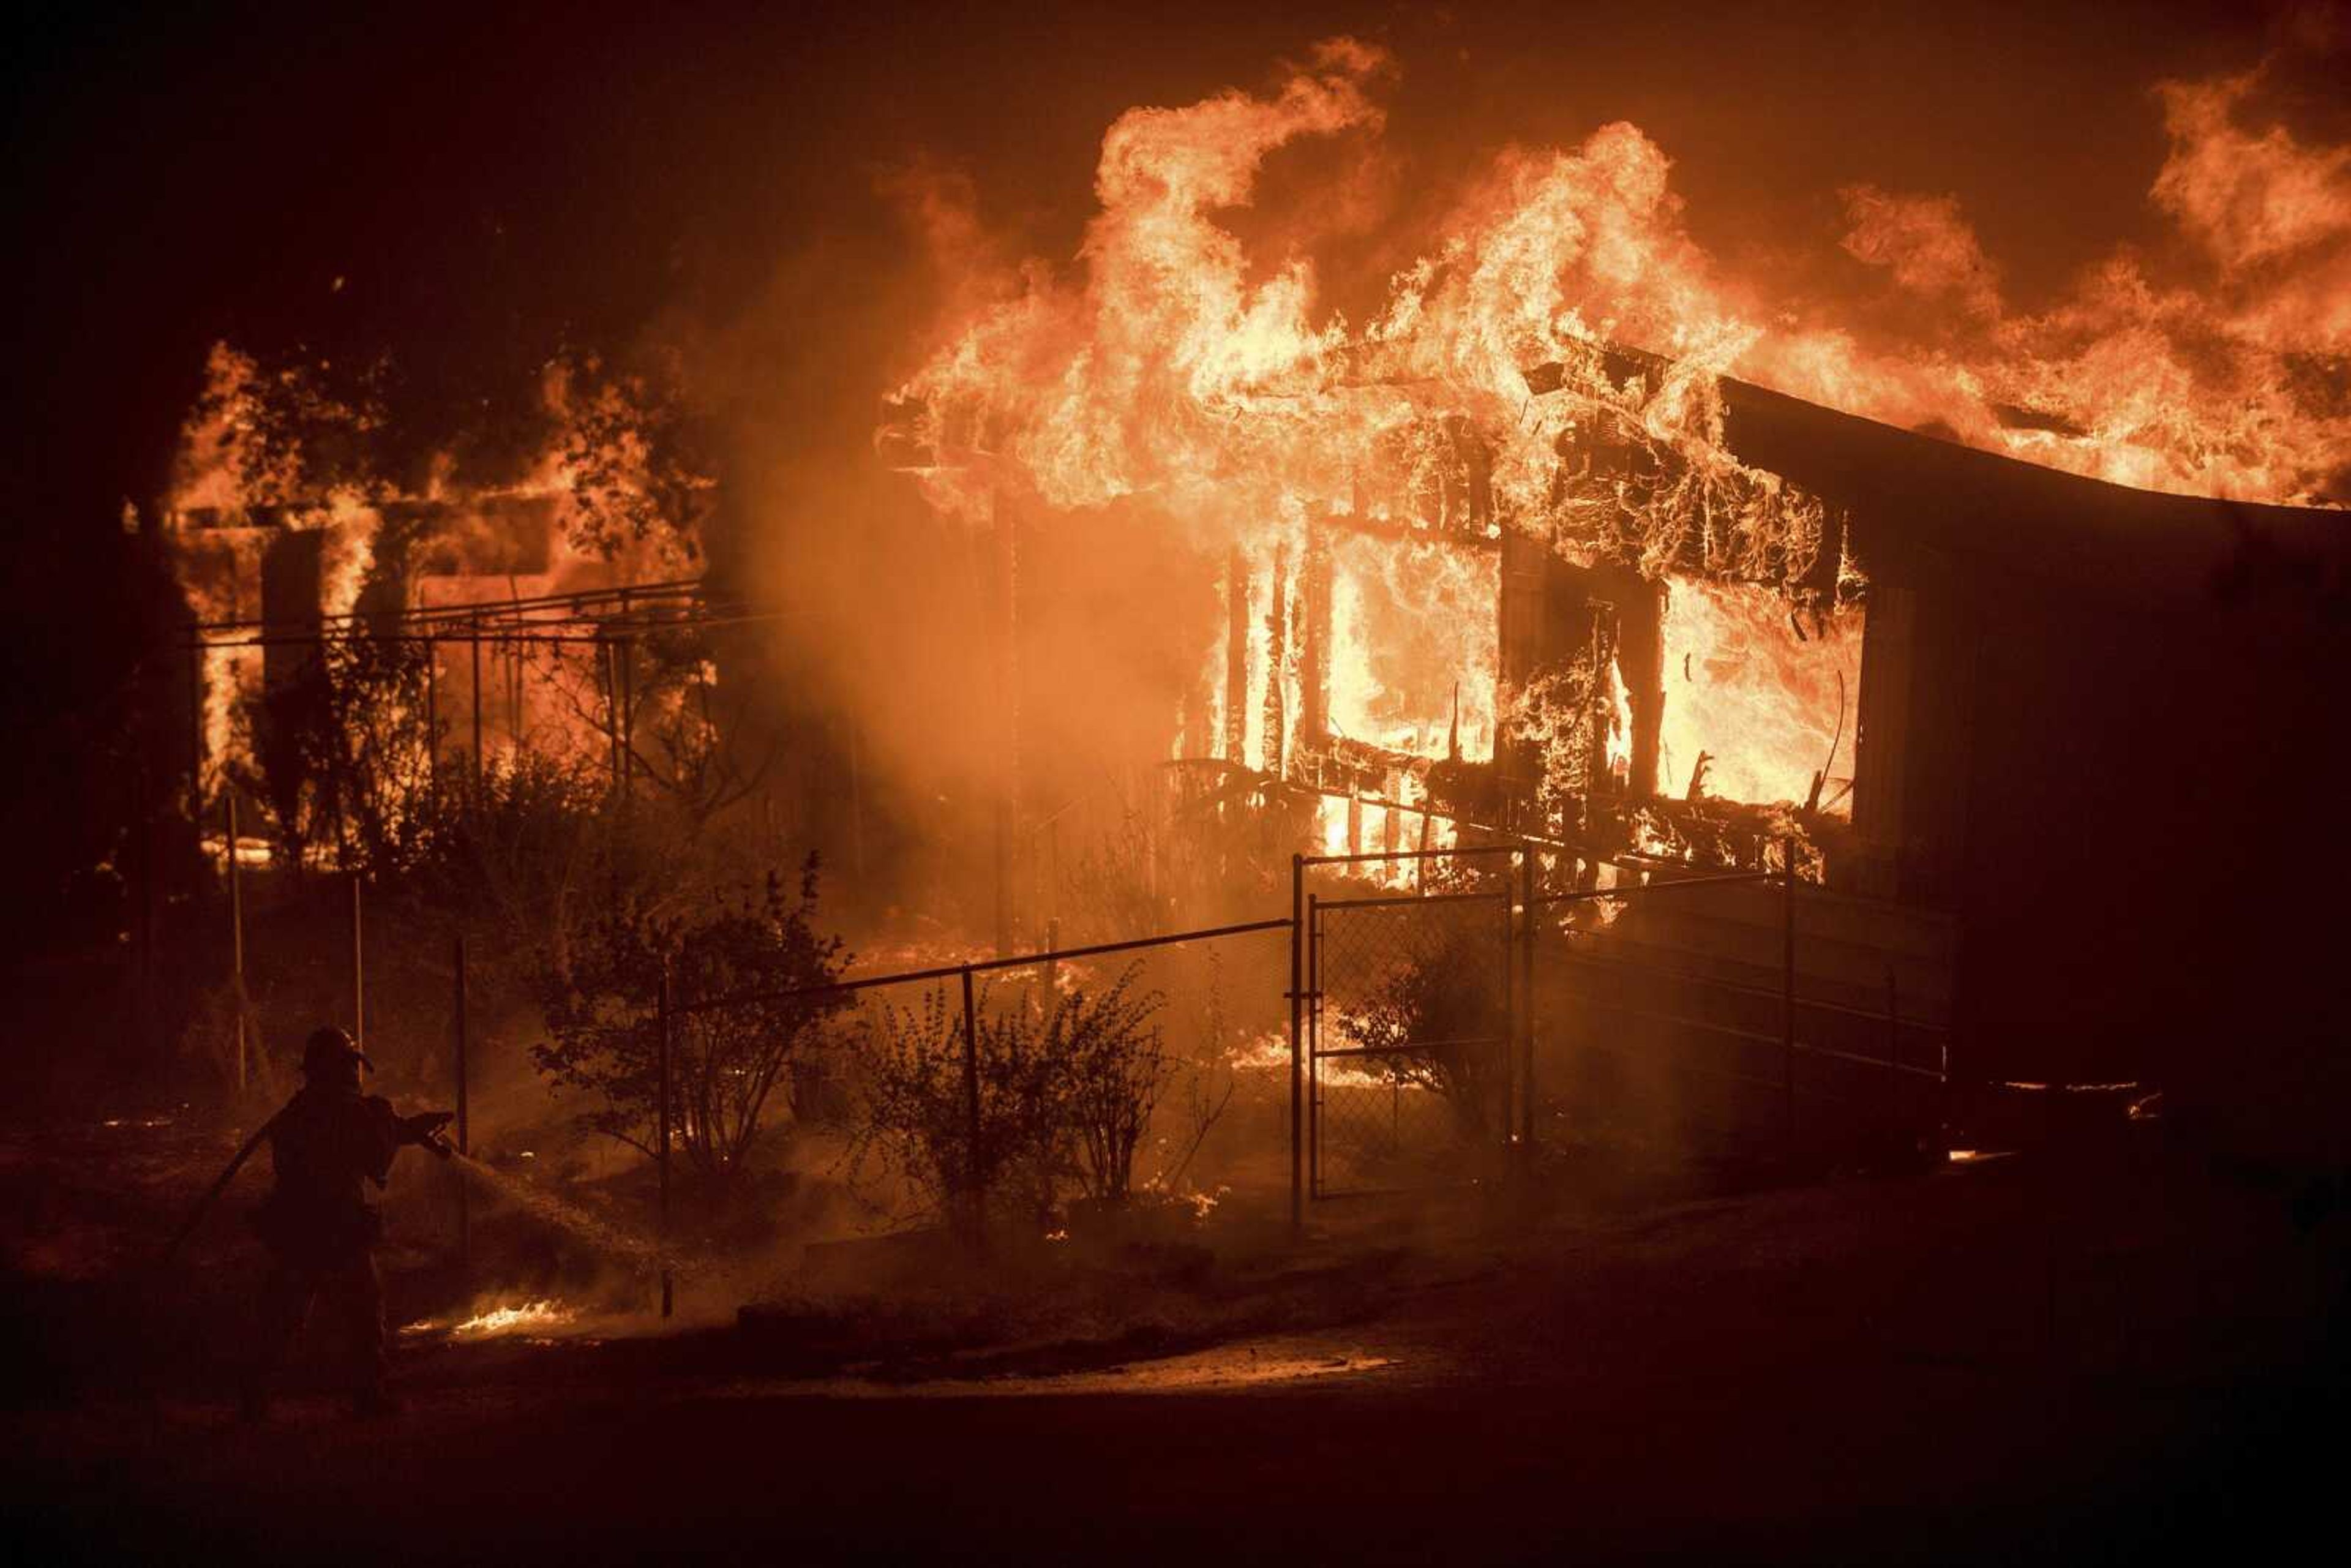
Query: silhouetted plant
point(1434, 1023)
point(727, 1062)
point(1067, 1091)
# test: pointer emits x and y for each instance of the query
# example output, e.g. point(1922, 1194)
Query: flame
point(534, 1317)
point(1163, 370)
point(1413, 630)
point(1331, 820)
point(1270, 1054)
point(1172, 366)
point(2204, 377)
point(1172, 363)
point(242, 475)
point(1618, 745)
point(1764, 702)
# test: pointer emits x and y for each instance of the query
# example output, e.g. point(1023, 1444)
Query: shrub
point(1067, 1091)
point(726, 1064)
point(1435, 1022)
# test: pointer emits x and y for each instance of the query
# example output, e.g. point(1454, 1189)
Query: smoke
point(2248, 197)
point(1925, 246)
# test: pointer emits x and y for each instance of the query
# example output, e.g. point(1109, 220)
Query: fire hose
point(428, 1137)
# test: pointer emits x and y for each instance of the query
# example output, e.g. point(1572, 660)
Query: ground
point(2091, 1355)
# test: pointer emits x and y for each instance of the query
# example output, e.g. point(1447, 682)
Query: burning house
point(270, 577)
point(281, 549)
point(1874, 651)
point(1530, 782)
point(1480, 572)
point(1466, 568)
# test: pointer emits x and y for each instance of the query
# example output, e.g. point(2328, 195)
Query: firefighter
point(317, 1223)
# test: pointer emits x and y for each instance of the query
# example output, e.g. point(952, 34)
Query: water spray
point(577, 1222)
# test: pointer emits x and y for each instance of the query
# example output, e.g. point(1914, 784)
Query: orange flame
point(1171, 364)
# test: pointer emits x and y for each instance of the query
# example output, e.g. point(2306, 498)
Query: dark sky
point(493, 185)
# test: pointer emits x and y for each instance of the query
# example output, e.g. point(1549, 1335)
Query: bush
point(1436, 1022)
point(1067, 1092)
point(599, 999)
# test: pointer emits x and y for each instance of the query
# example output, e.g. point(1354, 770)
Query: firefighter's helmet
point(330, 1047)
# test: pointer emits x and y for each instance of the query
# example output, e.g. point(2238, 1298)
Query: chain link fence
point(1735, 1016)
point(1409, 1040)
point(1064, 1082)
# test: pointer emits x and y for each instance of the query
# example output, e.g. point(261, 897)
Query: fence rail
point(975, 966)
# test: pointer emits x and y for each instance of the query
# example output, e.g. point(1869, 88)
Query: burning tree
point(599, 1001)
point(343, 754)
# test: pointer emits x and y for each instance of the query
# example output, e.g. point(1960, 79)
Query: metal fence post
point(613, 716)
point(662, 1116)
point(477, 709)
point(432, 721)
point(465, 1134)
point(1297, 1044)
point(358, 971)
point(1507, 1047)
point(1788, 993)
point(1313, 935)
point(973, 1176)
point(196, 730)
point(1527, 1001)
point(236, 934)
point(628, 720)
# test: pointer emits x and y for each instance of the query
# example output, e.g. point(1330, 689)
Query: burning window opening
point(1758, 708)
point(1412, 650)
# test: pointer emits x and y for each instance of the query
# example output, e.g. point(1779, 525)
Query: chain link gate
point(1409, 1016)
